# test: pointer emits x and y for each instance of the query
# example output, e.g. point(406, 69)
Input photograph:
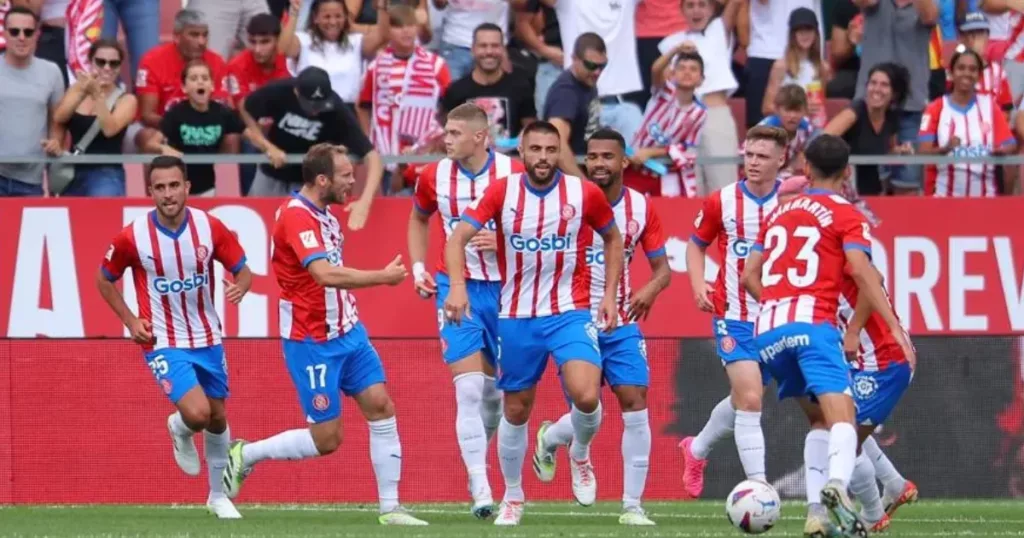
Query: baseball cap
point(803, 17)
point(974, 21)
point(314, 90)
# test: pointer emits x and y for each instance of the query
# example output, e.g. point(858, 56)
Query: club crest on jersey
point(568, 212)
point(202, 253)
point(728, 344)
point(321, 402)
point(166, 385)
point(699, 219)
point(865, 386)
point(632, 227)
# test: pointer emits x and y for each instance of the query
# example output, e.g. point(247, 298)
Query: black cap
point(802, 17)
point(314, 90)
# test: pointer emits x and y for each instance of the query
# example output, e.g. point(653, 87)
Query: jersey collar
point(541, 193)
point(820, 191)
point(473, 175)
point(763, 199)
point(173, 234)
point(309, 204)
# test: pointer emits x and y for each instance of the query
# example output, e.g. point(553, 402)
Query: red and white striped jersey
point(543, 238)
point(878, 347)
point(667, 121)
point(981, 127)
point(1015, 49)
point(731, 219)
point(304, 233)
point(447, 188)
point(639, 224)
point(172, 272)
point(804, 242)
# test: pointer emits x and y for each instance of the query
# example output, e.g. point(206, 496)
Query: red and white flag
point(83, 28)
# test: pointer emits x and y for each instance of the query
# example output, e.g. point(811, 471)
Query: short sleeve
point(1001, 128)
point(257, 101)
point(56, 88)
point(488, 206)
point(366, 92)
point(170, 127)
point(758, 245)
point(444, 77)
point(1004, 95)
point(930, 122)
point(121, 255)
point(854, 229)
point(597, 212)
point(708, 223)
point(653, 236)
point(226, 248)
point(424, 197)
point(302, 235)
point(561, 103)
point(146, 78)
point(232, 122)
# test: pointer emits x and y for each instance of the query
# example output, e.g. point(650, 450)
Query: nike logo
point(817, 469)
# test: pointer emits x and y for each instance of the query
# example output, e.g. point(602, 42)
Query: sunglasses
point(593, 66)
point(18, 32)
point(101, 63)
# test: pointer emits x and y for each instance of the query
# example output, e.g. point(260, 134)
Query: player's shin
point(815, 464)
point(842, 452)
point(891, 479)
point(719, 426)
point(865, 489)
point(469, 427)
point(584, 428)
point(386, 456)
point(287, 445)
point(216, 447)
point(559, 433)
point(490, 408)
point(512, 441)
point(636, 455)
point(750, 444)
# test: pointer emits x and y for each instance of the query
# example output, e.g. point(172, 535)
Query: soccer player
point(623, 351)
point(545, 224)
point(326, 347)
point(805, 250)
point(470, 350)
point(171, 251)
point(731, 219)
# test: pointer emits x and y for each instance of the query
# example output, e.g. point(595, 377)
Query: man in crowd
point(572, 105)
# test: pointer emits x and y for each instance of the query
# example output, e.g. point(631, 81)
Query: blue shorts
point(805, 359)
point(479, 333)
point(734, 341)
point(524, 346)
point(624, 356)
point(877, 393)
point(177, 371)
point(320, 370)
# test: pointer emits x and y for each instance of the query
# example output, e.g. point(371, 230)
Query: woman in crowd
point(96, 98)
point(801, 65)
point(870, 125)
point(330, 43)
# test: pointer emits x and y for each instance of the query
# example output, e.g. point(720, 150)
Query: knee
point(517, 410)
point(469, 390)
point(327, 442)
point(586, 399)
point(197, 416)
point(218, 421)
point(632, 399)
point(747, 400)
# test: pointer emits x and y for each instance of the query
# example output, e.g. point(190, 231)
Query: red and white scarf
point(84, 24)
point(404, 114)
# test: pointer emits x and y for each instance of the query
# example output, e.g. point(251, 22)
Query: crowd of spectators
point(678, 78)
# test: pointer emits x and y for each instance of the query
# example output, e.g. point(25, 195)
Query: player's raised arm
point(482, 210)
point(706, 227)
point(120, 256)
point(424, 204)
point(653, 242)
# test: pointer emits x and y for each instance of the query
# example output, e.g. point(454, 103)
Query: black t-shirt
point(551, 33)
point(863, 140)
point(577, 104)
point(193, 132)
point(843, 12)
point(294, 131)
point(507, 103)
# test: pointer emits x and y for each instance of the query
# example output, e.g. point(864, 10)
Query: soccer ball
point(753, 506)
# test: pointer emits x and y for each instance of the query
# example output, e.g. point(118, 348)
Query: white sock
point(720, 425)
point(864, 487)
point(490, 409)
point(511, 454)
point(584, 428)
point(842, 452)
point(287, 445)
point(636, 456)
point(891, 479)
point(469, 427)
point(750, 444)
point(216, 446)
point(559, 433)
point(815, 464)
point(179, 427)
point(386, 456)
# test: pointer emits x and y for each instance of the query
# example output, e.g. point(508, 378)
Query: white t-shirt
point(769, 26)
point(344, 65)
point(613, 20)
point(54, 9)
point(461, 18)
point(715, 48)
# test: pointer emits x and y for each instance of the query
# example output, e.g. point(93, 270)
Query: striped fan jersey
point(543, 237)
point(731, 219)
point(172, 272)
point(447, 188)
point(304, 233)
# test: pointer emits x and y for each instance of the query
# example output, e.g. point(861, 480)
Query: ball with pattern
point(753, 506)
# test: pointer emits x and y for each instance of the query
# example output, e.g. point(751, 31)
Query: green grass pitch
point(703, 519)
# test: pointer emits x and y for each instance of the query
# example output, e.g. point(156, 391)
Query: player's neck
point(172, 224)
point(484, 78)
point(826, 185)
point(309, 193)
point(760, 188)
point(613, 191)
point(475, 163)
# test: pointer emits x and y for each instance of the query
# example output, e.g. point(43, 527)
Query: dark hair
point(827, 155)
point(21, 10)
point(165, 162)
point(767, 132)
point(264, 24)
point(488, 27)
point(961, 51)
point(791, 97)
point(691, 57)
point(899, 81)
point(195, 63)
point(589, 41)
point(544, 127)
point(319, 161)
point(608, 134)
point(314, 32)
point(105, 43)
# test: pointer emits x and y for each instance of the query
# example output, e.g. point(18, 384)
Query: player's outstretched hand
point(456, 305)
point(703, 299)
point(485, 240)
point(142, 331)
point(395, 272)
point(640, 305)
point(425, 285)
point(232, 292)
point(851, 345)
point(609, 315)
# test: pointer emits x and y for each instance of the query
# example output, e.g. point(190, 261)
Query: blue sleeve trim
point(926, 138)
point(603, 229)
point(108, 275)
point(758, 247)
point(855, 246)
point(314, 257)
point(238, 266)
point(1008, 142)
point(656, 253)
point(472, 222)
point(421, 210)
point(699, 241)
